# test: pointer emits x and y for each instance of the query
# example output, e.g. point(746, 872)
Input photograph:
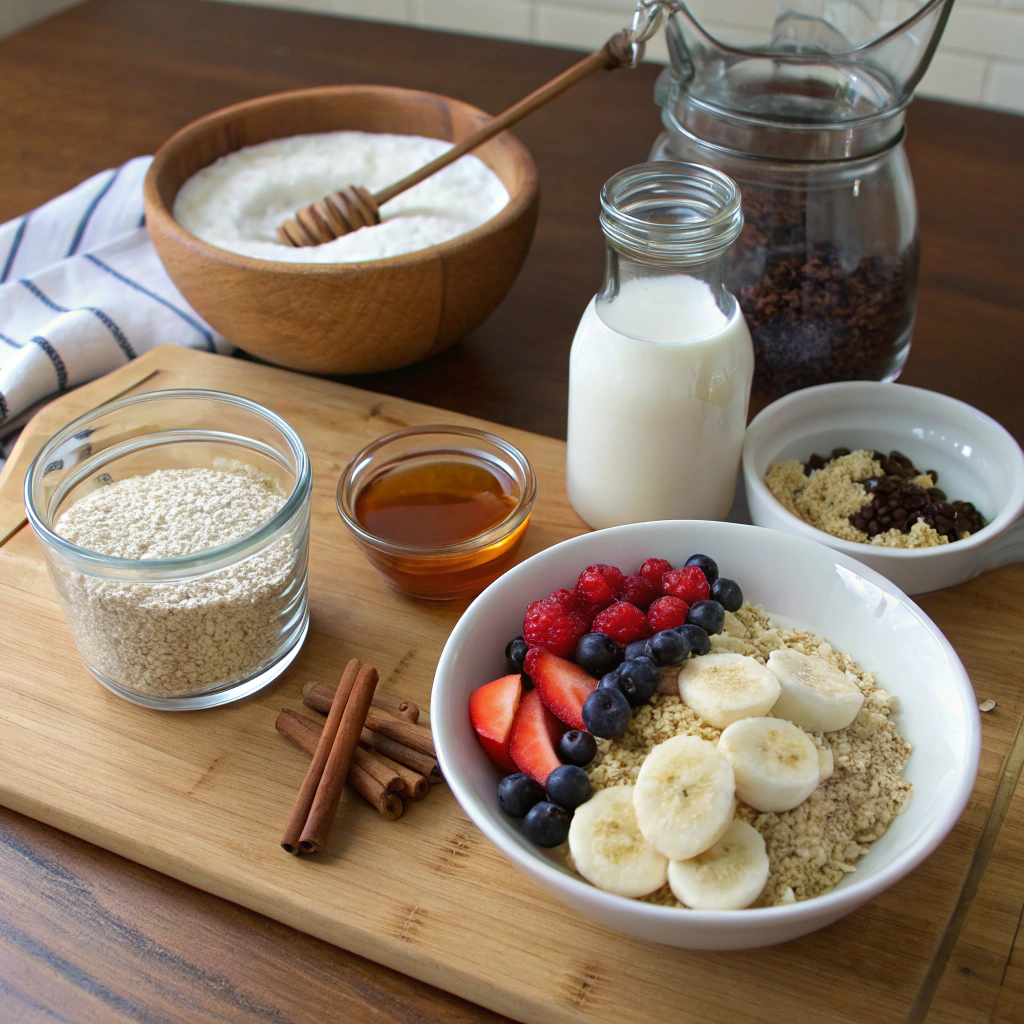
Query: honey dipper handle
point(617, 52)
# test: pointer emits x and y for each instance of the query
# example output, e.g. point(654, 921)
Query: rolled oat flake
point(181, 636)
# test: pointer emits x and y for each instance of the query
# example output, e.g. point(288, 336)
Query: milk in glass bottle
point(662, 363)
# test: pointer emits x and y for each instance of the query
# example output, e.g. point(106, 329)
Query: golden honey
point(425, 509)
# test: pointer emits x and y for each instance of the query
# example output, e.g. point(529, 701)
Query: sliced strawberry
point(563, 686)
point(535, 736)
point(492, 709)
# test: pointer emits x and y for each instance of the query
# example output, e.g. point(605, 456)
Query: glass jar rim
point(346, 496)
point(712, 198)
point(179, 566)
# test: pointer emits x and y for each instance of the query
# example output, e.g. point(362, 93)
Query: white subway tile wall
point(980, 59)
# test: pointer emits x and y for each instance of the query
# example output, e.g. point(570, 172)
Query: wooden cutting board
point(203, 796)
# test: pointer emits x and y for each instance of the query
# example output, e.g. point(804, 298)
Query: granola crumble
point(813, 846)
point(826, 498)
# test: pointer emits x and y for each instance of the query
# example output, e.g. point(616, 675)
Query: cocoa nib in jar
point(818, 311)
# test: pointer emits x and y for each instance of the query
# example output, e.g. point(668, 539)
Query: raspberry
point(636, 590)
point(566, 600)
point(623, 622)
point(549, 625)
point(667, 613)
point(598, 586)
point(690, 584)
point(653, 569)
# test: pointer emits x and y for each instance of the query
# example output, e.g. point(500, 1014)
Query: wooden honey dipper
point(355, 207)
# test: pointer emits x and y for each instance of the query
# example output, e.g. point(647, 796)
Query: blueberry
point(547, 824)
point(638, 680)
point(727, 593)
point(709, 615)
point(638, 649)
point(700, 642)
point(669, 648)
point(598, 654)
point(611, 678)
point(707, 565)
point(515, 652)
point(518, 793)
point(606, 712)
point(568, 786)
point(577, 747)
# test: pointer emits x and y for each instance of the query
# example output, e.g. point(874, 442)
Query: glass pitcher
point(810, 124)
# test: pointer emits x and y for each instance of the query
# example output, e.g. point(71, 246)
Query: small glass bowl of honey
point(440, 511)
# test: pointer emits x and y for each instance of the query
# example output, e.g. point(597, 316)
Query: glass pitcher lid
point(830, 80)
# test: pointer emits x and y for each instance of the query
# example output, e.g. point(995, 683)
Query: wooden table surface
point(88, 937)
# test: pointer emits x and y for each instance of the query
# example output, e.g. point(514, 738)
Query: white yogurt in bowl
point(238, 202)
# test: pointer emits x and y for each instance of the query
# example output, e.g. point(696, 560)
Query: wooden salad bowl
point(344, 317)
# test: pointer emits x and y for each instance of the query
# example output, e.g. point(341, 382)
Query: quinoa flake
point(826, 498)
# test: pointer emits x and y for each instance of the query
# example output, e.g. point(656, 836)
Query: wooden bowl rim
point(518, 204)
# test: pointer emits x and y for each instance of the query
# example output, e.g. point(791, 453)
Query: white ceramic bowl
point(977, 460)
point(838, 598)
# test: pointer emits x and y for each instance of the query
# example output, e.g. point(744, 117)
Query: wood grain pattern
point(145, 948)
point(207, 793)
point(110, 79)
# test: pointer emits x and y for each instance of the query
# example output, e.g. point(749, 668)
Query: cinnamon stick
point(388, 804)
point(396, 728)
point(302, 731)
point(314, 774)
point(409, 711)
point(420, 763)
point(405, 709)
point(380, 768)
point(305, 733)
point(332, 781)
point(413, 786)
point(387, 724)
point(319, 698)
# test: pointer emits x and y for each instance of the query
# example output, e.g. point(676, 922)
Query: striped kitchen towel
point(82, 291)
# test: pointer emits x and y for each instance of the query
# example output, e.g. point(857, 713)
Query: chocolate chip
point(816, 312)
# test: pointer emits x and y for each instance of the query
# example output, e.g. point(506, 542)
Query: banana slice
point(685, 796)
point(775, 762)
point(608, 848)
point(815, 694)
point(729, 876)
point(826, 764)
point(723, 688)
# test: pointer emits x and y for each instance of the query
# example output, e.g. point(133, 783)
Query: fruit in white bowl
point(829, 593)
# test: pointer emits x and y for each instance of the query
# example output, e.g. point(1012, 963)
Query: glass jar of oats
point(175, 527)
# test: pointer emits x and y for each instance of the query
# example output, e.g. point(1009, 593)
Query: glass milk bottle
point(661, 365)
